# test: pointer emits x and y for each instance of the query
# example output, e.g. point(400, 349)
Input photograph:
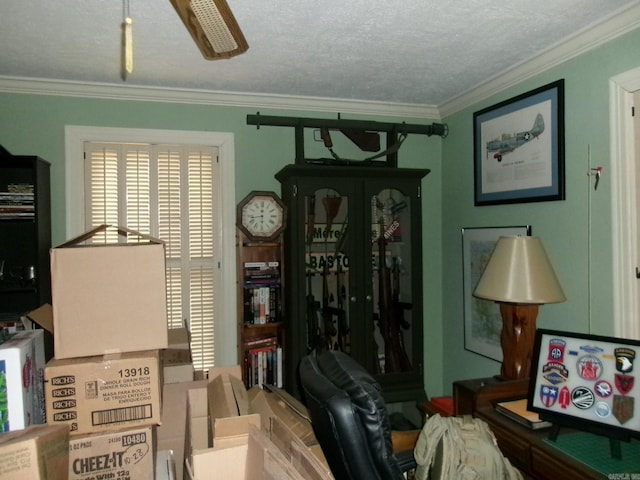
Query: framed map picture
point(482, 320)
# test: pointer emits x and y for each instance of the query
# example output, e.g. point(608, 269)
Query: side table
point(470, 395)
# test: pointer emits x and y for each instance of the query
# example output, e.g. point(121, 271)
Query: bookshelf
point(260, 310)
point(25, 238)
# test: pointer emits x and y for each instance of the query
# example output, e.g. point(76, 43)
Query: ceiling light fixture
point(213, 27)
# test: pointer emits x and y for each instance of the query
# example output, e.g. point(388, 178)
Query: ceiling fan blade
point(213, 27)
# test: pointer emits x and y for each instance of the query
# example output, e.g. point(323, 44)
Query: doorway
point(624, 94)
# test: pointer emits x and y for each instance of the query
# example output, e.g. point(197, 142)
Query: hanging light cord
point(127, 39)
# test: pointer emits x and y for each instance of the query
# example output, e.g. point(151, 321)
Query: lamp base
point(516, 339)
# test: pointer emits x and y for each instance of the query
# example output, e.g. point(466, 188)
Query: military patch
point(555, 373)
point(591, 349)
point(624, 383)
point(556, 350)
point(624, 359)
point(582, 398)
point(564, 399)
point(603, 388)
point(623, 408)
point(602, 409)
point(589, 367)
point(548, 395)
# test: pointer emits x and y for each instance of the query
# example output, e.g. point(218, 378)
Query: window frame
point(75, 136)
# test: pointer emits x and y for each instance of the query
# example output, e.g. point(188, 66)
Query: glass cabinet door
point(327, 270)
point(354, 270)
point(392, 281)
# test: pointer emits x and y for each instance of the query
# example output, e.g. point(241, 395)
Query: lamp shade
point(519, 271)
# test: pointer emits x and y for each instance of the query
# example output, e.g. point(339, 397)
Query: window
point(173, 192)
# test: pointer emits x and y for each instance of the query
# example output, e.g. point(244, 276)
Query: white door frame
point(626, 304)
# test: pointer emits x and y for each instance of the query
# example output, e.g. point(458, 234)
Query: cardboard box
point(43, 316)
point(103, 393)
point(252, 457)
point(176, 365)
point(228, 403)
point(302, 457)
point(21, 381)
point(113, 294)
point(265, 461)
point(227, 436)
point(123, 454)
point(289, 427)
point(171, 432)
point(218, 425)
point(230, 460)
point(165, 465)
point(39, 452)
point(279, 404)
point(178, 338)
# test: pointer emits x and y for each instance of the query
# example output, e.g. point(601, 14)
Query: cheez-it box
point(124, 455)
point(104, 392)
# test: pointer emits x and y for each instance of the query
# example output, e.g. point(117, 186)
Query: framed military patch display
point(586, 382)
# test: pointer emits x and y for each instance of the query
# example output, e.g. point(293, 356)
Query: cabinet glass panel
point(327, 270)
point(391, 262)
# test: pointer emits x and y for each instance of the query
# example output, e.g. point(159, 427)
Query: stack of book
point(263, 362)
point(17, 202)
point(261, 292)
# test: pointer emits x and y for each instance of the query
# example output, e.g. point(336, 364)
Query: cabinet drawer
point(546, 466)
point(516, 449)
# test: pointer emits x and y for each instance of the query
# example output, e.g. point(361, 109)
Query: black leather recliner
point(350, 419)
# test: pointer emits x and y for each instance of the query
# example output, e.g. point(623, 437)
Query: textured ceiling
point(406, 51)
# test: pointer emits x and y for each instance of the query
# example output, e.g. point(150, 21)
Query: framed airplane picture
point(519, 148)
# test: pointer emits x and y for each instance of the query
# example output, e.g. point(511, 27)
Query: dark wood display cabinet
point(25, 234)
point(353, 265)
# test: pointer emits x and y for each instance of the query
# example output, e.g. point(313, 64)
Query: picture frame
point(519, 148)
point(482, 319)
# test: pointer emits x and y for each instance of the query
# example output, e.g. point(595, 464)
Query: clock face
point(262, 216)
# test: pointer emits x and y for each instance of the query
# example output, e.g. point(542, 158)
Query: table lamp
point(519, 277)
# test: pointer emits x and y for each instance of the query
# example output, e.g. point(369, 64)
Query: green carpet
point(593, 450)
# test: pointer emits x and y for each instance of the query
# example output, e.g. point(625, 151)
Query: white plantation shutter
point(170, 192)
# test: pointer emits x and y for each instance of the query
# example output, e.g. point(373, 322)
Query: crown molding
point(587, 39)
point(41, 86)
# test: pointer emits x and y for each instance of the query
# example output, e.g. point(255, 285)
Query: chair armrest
point(404, 440)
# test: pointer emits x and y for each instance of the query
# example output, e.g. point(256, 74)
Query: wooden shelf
point(271, 331)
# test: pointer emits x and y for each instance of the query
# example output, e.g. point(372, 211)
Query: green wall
point(34, 125)
point(576, 232)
